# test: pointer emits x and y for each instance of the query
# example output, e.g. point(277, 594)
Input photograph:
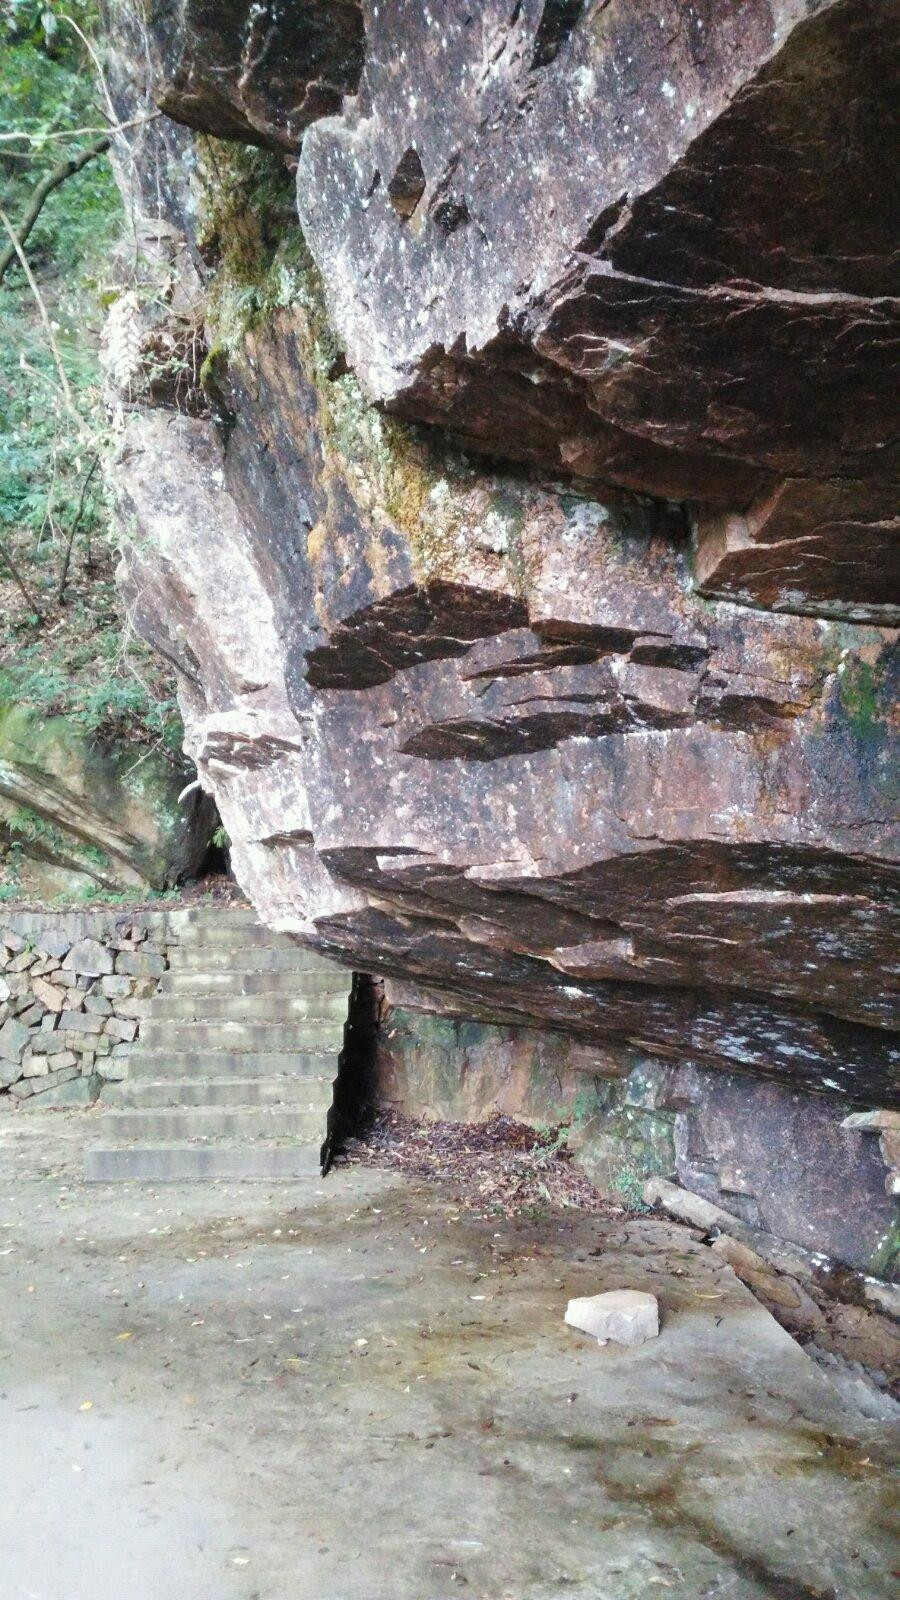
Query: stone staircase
point(233, 1073)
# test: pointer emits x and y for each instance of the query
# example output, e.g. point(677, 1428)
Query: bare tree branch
point(58, 175)
point(20, 583)
point(110, 107)
point(41, 138)
point(76, 521)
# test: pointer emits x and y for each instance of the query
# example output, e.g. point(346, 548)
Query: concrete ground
point(353, 1391)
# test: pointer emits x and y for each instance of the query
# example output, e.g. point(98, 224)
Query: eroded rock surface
point(475, 725)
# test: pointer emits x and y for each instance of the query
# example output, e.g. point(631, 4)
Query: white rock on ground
point(627, 1316)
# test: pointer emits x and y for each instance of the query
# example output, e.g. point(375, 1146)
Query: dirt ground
point(356, 1389)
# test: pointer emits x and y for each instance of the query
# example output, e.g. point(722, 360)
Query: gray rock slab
point(140, 964)
point(72, 1092)
point(116, 986)
point(123, 1029)
point(13, 1039)
point(80, 1022)
point(250, 1444)
point(90, 958)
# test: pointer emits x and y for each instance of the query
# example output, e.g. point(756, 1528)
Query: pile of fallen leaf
point(498, 1168)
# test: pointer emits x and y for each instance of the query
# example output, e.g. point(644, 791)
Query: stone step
point(230, 916)
point(163, 1064)
point(180, 1163)
point(232, 1036)
point(308, 1092)
point(283, 1007)
point(188, 980)
point(246, 958)
point(171, 1123)
point(218, 934)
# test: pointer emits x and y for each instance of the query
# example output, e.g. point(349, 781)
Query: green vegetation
point(48, 86)
point(629, 1183)
point(64, 648)
point(87, 671)
point(90, 894)
point(860, 697)
point(31, 828)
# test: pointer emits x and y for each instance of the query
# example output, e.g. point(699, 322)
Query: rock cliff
point(525, 547)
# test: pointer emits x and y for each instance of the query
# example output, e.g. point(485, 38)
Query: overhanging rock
point(493, 728)
point(256, 72)
point(648, 246)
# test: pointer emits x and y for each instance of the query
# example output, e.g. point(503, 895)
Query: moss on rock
point(401, 475)
point(90, 811)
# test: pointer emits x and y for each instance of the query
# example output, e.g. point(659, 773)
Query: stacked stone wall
point(74, 990)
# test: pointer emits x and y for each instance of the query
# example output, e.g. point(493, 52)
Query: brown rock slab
point(615, 243)
point(472, 725)
point(259, 76)
point(51, 996)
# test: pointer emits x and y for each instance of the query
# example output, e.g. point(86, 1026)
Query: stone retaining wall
point(74, 988)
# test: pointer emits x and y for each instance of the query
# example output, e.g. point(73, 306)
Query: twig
point(20, 583)
point(51, 496)
point(64, 573)
point(113, 115)
point(75, 133)
point(41, 377)
point(59, 174)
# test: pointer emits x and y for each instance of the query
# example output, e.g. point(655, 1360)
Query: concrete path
point(350, 1391)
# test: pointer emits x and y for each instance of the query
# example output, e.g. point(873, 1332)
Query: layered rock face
point(82, 815)
point(469, 697)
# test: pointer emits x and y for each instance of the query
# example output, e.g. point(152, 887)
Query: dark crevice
point(558, 20)
point(450, 214)
point(414, 625)
point(354, 1086)
point(407, 186)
